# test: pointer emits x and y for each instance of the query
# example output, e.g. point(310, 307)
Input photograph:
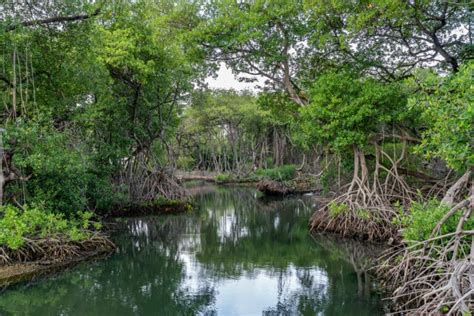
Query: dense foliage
point(283, 173)
point(447, 107)
point(103, 101)
point(423, 217)
point(31, 222)
point(91, 105)
point(346, 110)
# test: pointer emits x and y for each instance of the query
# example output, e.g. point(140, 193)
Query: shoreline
point(18, 272)
point(25, 272)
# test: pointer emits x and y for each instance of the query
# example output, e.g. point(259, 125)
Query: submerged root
point(55, 249)
point(360, 255)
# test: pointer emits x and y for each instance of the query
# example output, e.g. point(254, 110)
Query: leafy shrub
point(223, 177)
point(283, 173)
point(185, 163)
point(59, 168)
point(103, 196)
point(423, 217)
point(269, 163)
point(17, 224)
point(65, 177)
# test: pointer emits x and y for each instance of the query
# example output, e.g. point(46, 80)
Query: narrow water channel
point(238, 254)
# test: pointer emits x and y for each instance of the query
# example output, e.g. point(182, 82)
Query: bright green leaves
point(424, 217)
point(282, 173)
point(346, 110)
point(32, 222)
point(152, 68)
point(120, 48)
point(447, 107)
point(58, 167)
point(146, 40)
point(42, 149)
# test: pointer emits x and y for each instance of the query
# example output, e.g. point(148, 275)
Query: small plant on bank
point(363, 214)
point(17, 225)
point(283, 173)
point(223, 177)
point(423, 217)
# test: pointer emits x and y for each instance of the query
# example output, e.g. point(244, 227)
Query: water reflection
point(238, 255)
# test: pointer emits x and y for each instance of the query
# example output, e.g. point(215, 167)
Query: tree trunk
point(2, 186)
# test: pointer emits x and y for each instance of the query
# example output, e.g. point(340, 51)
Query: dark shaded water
point(237, 255)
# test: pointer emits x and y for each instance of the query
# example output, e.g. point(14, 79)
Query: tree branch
point(56, 19)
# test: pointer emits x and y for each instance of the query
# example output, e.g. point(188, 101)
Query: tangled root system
point(56, 249)
point(435, 276)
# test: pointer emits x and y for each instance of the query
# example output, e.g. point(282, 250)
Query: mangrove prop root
point(146, 184)
point(434, 276)
point(366, 206)
point(367, 222)
point(55, 249)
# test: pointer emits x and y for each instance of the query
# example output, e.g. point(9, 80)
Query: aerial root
point(435, 275)
point(366, 209)
point(370, 222)
point(147, 184)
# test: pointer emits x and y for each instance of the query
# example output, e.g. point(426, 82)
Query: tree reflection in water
point(239, 254)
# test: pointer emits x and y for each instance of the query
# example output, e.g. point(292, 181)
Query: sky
point(227, 80)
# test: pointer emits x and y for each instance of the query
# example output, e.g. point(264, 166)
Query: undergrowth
point(422, 218)
point(17, 225)
point(283, 173)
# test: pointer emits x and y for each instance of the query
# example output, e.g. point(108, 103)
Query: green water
point(237, 255)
